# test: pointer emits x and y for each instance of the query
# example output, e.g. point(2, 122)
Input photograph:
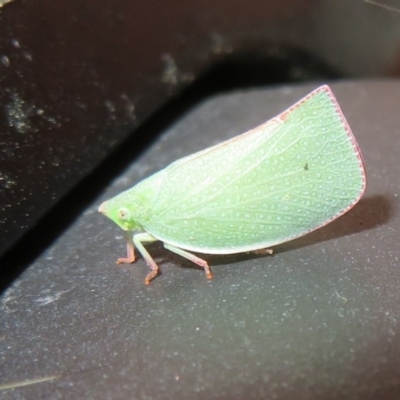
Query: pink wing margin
point(346, 126)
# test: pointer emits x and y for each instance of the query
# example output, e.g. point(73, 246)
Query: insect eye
point(123, 214)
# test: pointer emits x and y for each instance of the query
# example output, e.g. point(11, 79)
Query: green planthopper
point(283, 179)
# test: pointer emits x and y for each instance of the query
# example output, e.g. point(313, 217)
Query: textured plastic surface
point(319, 318)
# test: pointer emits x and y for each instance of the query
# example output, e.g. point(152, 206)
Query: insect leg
point(138, 240)
point(262, 252)
point(191, 257)
point(130, 250)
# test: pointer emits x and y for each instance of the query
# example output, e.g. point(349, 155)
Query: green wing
point(281, 180)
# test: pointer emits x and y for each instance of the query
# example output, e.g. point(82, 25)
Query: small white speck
point(5, 61)
point(27, 55)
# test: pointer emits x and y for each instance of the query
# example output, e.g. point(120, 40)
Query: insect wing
point(281, 180)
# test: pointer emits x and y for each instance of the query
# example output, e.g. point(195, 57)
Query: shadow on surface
point(368, 214)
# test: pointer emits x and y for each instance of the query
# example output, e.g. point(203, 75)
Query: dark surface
point(78, 78)
point(319, 319)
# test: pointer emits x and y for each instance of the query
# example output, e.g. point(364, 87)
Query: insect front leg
point(130, 250)
point(138, 240)
point(199, 261)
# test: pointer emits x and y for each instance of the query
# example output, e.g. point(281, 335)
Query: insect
point(283, 179)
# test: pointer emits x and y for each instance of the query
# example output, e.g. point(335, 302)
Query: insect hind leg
point(199, 261)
